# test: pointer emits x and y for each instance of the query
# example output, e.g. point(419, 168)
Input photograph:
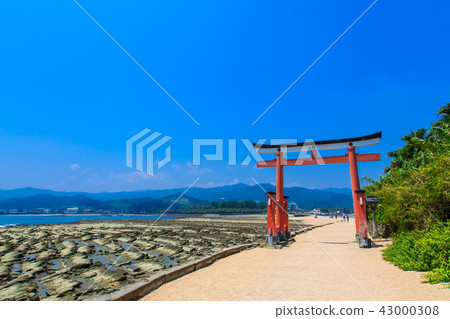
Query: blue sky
point(70, 97)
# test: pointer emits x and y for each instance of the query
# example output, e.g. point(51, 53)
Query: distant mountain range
point(31, 198)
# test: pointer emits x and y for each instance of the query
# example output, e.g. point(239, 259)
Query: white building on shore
point(72, 210)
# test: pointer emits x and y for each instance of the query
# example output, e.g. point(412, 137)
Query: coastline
point(59, 219)
point(61, 261)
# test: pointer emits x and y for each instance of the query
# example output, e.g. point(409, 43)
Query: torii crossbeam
point(278, 223)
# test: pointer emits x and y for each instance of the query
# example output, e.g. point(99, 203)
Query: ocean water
point(28, 219)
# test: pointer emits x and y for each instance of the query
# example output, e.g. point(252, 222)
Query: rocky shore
point(70, 261)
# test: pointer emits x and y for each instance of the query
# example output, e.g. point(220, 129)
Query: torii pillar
point(281, 214)
point(270, 235)
point(359, 203)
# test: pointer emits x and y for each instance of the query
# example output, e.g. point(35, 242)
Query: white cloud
point(74, 166)
point(218, 184)
point(293, 185)
point(134, 177)
point(193, 169)
point(234, 181)
point(199, 171)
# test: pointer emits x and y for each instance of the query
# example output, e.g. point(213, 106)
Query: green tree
point(214, 204)
point(415, 191)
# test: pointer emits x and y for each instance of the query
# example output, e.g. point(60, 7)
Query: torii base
point(271, 240)
point(363, 242)
point(279, 239)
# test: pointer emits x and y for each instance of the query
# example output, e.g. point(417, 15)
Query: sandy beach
point(322, 264)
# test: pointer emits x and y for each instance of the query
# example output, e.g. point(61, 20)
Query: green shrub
point(423, 251)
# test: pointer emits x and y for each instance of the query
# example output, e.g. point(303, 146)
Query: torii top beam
point(366, 140)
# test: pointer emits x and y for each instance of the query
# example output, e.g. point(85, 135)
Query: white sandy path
point(304, 271)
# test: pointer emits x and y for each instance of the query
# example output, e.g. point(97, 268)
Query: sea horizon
point(11, 220)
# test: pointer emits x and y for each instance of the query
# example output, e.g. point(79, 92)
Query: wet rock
point(134, 255)
point(216, 249)
point(87, 249)
point(15, 241)
point(192, 258)
point(94, 272)
point(20, 291)
point(169, 250)
point(170, 241)
point(33, 267)
point(69, 248)
point(124, 263)
point(4, 270)
point(80, 261)
point(113, 248)
point(101, 241)
point(4, 249)
point(60, 273)
point(24, 278)
point(60, 286)
point(144, 244)
point(59, 298)
point(46, 255)
point(149, 267)
point(195, 241)
point(40, 234)
point(37, 270)
point(66, 252)
point(68, 244)
point(189, 249)
point(125, 239)
point(112, 275)
point(24, 247)
point(183, 255)
point(40, 247)
point(12, 256)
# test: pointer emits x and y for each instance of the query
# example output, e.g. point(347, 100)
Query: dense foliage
point(424, 251)
point(247, 204)
point(415, 191)
point(415, 200)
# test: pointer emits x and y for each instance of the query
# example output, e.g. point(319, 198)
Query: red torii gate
point(277, 209)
